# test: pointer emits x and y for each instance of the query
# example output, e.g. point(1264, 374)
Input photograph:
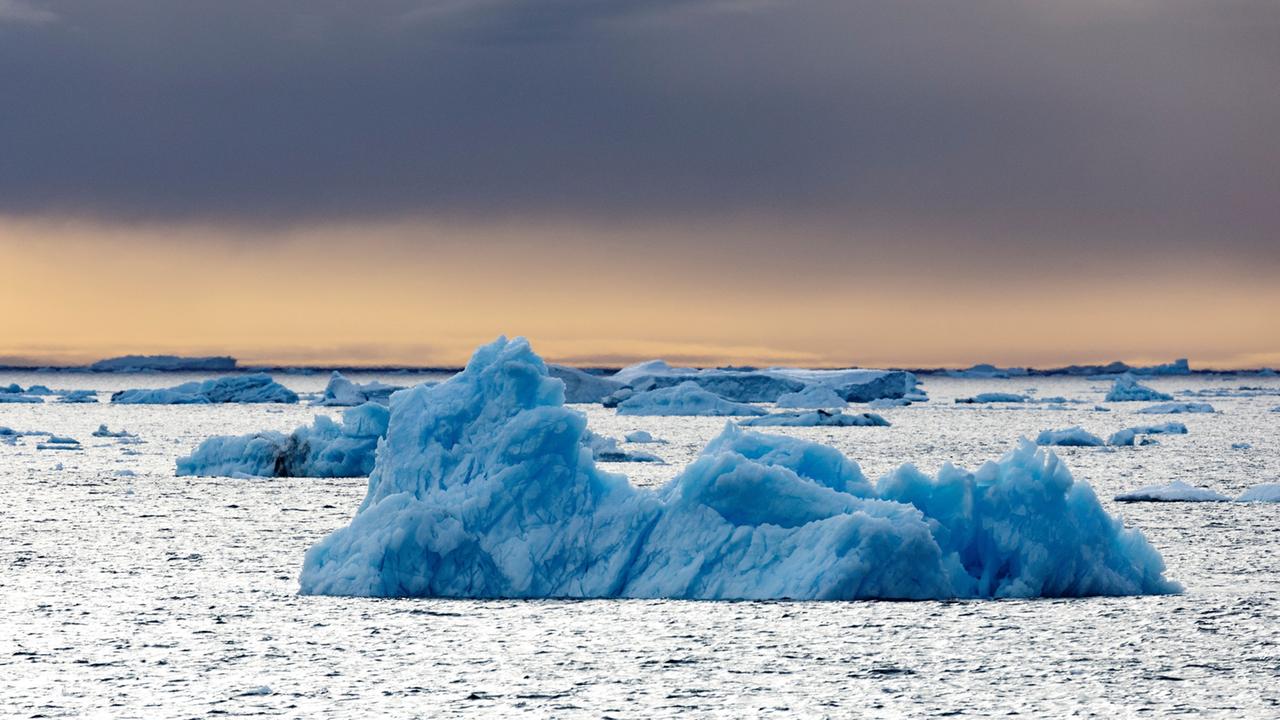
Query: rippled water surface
point(127, 592)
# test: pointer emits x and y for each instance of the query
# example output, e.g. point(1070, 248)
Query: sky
point(909, 183)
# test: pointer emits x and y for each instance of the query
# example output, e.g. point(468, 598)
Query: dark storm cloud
point(1013, 118)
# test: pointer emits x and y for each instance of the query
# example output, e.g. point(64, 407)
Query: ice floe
point(341, 392)
point(992, 397)
point(1266, 492)
point(1176, 491)
point(1177, 408)
point(812, 396)
point(1127, 436)
point(606, 449)
point(1127, 388)
point(643, 436)
point(687, 398)
point(251, 388)
point(817, 418)
point(1072, 437)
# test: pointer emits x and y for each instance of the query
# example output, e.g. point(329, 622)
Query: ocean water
point(126, 592)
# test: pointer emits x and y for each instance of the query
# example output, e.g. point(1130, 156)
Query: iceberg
point(986, 371)
point(79, 396)
point(1126, 436)
point(1177, 408)
point(1176, 491)
point(56, 442)
point(323, 449)
point(1072, 437)
point(992, 397)
point(584, 387)
point(885, 403)
point(341, 392)
point(163, 363)
point(687, 398)
point(252, 388)
point(817, 418)
point(1127, 388)
point(605, 449)
point(812, 396)
point(105, 432)
point(1266, 492)
point(752, 385)
point(483, 488)
point(19, 397)
point(643, 436)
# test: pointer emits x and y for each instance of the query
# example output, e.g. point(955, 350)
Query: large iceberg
point(1176, 491)
point(341, 392)
point(252, 388)
point(817, 418)
point(767, 385)
point(584, 387)
point(323, 449)
point(1071, 437)
point(1126, 436)
point(813, 396)
point(1177, 408)
point(163, 363)
point(482, 488)
point(687, 398)
point(1127, 388)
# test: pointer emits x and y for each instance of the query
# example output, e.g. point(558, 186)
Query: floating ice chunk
point(11, 389)
point(1176, 491)
point(584, 387)
point(1072, 436)
point(163, 363)
point(1126, 388)
point(1126, 436)
point(322, 449)
point(1266, 492)
point(126, 473)
point(1241, 446)
point(687, 398)
point(993, 397)
point(1099, 408)
point(886, 403)
point(483, 488)
point(643, 436)
point(1177, 408)
point(752, 385)
point(341, 392)
point(1276, 409)
point(8, 395)
point(812, 396)
point(40, 390)
point(605, 449)
point(252, 388)
point(104, 431)
point(986, 371)
point(817, 418)
point(58, 442)
point(78, 396)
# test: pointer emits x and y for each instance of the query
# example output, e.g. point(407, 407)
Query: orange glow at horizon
point(424, 293)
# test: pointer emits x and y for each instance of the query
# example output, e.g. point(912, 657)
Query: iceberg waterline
point(482, 488)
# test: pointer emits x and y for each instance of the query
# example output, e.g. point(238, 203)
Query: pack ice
point(483, 488)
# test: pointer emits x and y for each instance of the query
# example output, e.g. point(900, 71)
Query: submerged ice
point(483, 488)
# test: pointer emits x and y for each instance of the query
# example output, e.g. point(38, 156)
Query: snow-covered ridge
point(482, 488)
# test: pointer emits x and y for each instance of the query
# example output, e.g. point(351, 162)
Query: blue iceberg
point(1126, 436)
point(770, 384)
point(341, 392)
point(813, 396)
point(1127, 388)
point(323, 449)
point(252, 388)
point(483, 488)
point(687, 398)
point(817, 418)
point(1071, 437)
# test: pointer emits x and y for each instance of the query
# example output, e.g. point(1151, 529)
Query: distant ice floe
point(769, 384)
point(1177, 408)
point(986, 371)
point(105, 432)
point(14, 393)
point(1127, 436)
point(584, 387)
point(1127, 388)
point(643, 436)
point(341, 392)
point(1266, 492)
point(163, 363)
point(323, 449)
point(1072, 437)
point(817, 418)
point(57, 442)
point(813, 396)
point(687, 398)
point(1176, 491)
point(482, 488)
point(1243, 391)
point(606, 449)
point(78, 396)
point(886, 403)
point(992, 397)
point(251, 388)
point(1241, 446)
